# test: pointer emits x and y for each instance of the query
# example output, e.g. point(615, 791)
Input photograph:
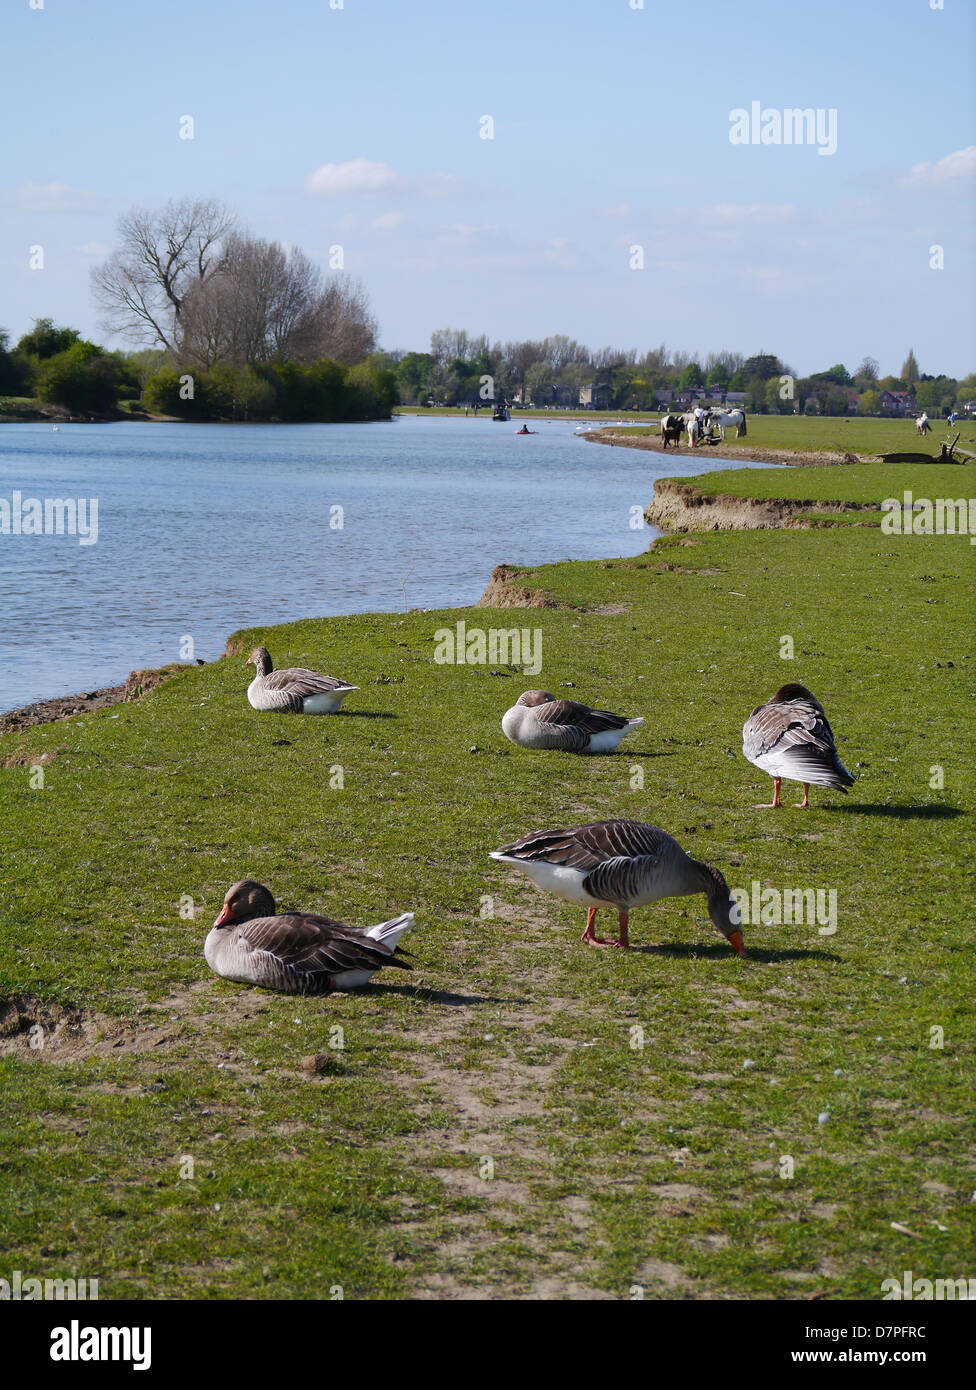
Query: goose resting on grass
point(622, 864)
point(295, 690)
point(539, 720)
point(296, 952)
point(789, 737)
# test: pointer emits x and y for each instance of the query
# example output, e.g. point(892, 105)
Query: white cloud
point(354, 176)
point(960, 164)
point(46, 197)
point(387, 222)
point(748, 212)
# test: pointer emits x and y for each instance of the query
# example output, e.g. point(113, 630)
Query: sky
point(607, 202)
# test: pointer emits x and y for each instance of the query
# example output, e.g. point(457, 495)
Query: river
point(202, 529)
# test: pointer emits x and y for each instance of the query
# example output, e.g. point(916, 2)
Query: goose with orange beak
point(621, 864)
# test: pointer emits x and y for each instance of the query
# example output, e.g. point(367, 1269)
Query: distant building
point(591, 394)
point(896, 403)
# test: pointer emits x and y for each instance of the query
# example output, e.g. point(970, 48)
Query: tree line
point(227, 325)
point(460, 369)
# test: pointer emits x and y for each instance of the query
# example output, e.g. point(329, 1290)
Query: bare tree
point(346, 328)
point(142, 285)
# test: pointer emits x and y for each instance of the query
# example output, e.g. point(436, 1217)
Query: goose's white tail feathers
point(635, 723)
point(391, 931)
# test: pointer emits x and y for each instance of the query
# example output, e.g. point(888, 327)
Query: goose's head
point(260, 659)
point(535, 697)
point(724, 910)
point(245, 900)
point(786, 693)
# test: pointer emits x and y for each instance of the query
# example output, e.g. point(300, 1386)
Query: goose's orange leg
point(771, 805)
point(589, 936)
point(623, 917)
point(806, 796)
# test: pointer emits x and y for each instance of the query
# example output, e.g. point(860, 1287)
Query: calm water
point(206, 528)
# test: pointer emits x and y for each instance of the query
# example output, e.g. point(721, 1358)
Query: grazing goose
point(296, 952)
point(295, 690)
point(539, 720)
point(789, 737)
point(622, 864)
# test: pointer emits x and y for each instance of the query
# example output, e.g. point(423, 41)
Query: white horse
point(723, 418)
point(922, 423)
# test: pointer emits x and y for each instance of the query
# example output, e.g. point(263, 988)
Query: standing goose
point(295, 690)
point(539, 720)
point(789, 737)
point(296, 952)
point(622, 864)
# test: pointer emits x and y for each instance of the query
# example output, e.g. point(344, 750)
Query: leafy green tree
point(763, 366)
point(909, 368)
point(538, 383)
point(756, 394)
point(838, 373)
point(84, 378)
point(691, 376)
point(774, 401)
point(836, 403)
point(719, 376)
point(15, 372)
point(45, 340)
point(869, 404)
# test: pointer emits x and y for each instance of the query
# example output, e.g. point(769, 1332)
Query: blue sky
point(360, 127)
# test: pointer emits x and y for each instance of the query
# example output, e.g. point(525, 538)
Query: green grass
point(864, 437)
point(613, 1164)
point(865, 484)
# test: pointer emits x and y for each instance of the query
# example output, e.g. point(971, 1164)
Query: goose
point(789, 737)
point(295, 690)
point(296, 952)
point(539, 720)
point(622, 864)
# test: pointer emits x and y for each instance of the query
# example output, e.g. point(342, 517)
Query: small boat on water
point(501, 412)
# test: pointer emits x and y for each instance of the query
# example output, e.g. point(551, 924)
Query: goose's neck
point(704, 879)
point(262, 664)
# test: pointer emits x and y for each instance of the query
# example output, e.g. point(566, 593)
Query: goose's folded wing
point(588, 846)
point(620, 880)
point(570, 714)
point(295, 680)
point(785, 726)
point(312, 944)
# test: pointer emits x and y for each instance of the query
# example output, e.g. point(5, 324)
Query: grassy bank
point(654, 1157)
point(866, 437)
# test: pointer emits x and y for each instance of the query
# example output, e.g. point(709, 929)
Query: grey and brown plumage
point(539, 720)
point(294, 690)
point(789, 736)
point(622, 864)
point(296, 952)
